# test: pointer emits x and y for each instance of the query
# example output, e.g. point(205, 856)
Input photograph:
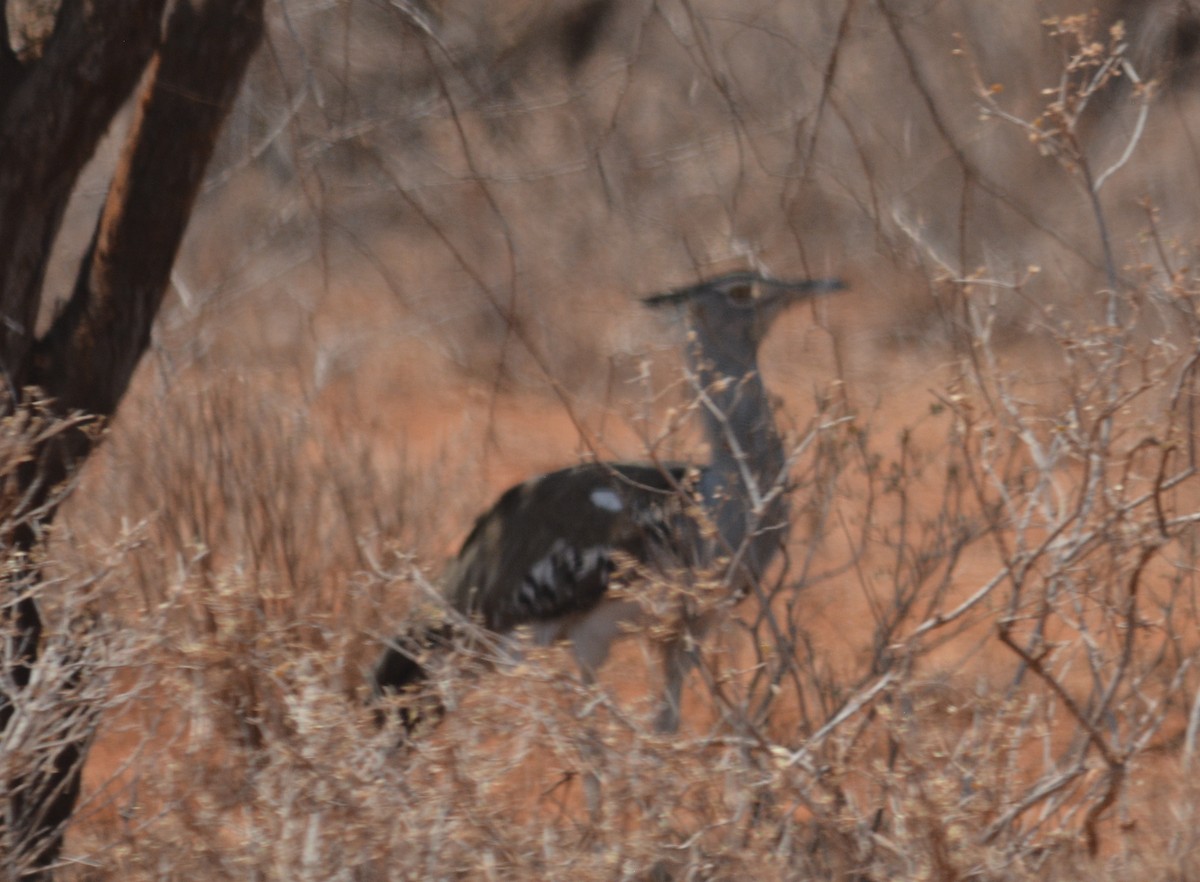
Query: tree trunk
point(53, 111)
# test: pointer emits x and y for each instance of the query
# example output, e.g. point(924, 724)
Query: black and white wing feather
point(550, 547)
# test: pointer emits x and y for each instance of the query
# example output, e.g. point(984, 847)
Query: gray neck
point(746, 447)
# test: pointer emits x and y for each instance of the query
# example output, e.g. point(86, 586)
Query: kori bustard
point(564, 553)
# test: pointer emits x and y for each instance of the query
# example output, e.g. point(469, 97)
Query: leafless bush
point(54, 684)
point(979, 656)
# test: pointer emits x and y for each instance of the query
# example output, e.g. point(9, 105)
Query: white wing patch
point(567, 579)
point(607, 499)
point(543, 572)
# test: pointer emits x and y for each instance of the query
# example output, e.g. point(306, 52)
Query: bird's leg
point(591, 640)
point(680, 655)
point(593, 795)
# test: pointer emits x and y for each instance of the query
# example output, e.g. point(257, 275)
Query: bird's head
point(741, 306)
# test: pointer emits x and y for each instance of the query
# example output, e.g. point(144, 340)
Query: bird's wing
point(550, 546)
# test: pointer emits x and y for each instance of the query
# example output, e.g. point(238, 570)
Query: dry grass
point(410, 286)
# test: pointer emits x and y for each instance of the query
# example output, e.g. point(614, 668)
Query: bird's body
point(550, 552)
point(519, 567)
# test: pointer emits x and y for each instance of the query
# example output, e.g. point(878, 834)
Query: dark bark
point(11, 72)
point(85, 361)
point(49, 127)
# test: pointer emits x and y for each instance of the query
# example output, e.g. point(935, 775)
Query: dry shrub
point(1014, 660)
point(979, 658)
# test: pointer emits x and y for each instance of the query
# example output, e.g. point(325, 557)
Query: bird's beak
point(777, 296)
point(797, 291)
